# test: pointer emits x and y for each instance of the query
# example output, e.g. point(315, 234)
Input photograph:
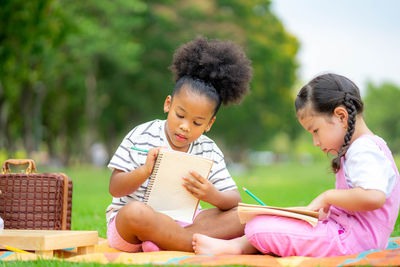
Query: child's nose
point(316, 141)
point(184, 126)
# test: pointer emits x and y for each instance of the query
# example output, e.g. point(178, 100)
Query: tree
point(93, 72)
point(29, 29)
point(268, 110)
point(80, 72)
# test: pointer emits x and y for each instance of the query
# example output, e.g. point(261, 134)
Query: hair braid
point(352, 111)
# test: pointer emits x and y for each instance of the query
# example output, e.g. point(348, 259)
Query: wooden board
point(46, 241)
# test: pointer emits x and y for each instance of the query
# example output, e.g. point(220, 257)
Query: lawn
point(289, 184)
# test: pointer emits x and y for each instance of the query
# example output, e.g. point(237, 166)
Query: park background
point(76, 76)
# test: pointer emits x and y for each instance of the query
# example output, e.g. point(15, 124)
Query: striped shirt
point(150, 135)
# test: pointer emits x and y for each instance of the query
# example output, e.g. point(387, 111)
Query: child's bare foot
point(205, 245)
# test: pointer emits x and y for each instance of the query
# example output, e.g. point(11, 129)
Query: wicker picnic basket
point(40, 201)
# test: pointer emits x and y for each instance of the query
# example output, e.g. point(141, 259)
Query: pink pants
point(291, 237)
point(116, 241)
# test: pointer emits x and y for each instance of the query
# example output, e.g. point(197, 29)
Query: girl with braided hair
point(207, 74)
point(360, 213)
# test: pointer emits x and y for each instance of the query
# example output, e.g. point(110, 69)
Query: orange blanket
point(105, 254)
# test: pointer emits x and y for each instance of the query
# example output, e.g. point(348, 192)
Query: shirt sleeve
point(122, 159)
point(219, 175)
point(366, 166)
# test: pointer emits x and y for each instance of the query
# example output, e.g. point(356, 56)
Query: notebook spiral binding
point(152, 178)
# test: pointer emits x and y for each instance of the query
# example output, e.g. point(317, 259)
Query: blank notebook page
point(166, 193)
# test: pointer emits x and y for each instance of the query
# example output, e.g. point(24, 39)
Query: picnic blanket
point(104, 254)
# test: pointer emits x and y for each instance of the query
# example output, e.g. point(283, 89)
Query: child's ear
point(167, 104)
point(210, 124)
point(342, 114)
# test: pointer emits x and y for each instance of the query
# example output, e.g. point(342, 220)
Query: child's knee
point(136, 213)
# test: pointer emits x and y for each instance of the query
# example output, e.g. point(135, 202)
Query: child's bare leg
point(204, 245)
point(218, 224)
point(137, 222)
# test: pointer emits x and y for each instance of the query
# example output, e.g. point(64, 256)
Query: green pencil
point(253, 196)
point(139, 149)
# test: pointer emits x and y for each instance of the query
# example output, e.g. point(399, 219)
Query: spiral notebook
point(165, 192)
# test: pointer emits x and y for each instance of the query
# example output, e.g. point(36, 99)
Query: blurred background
point(76, 76)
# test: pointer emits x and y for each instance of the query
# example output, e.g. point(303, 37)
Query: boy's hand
point(151, 160)
point(199, 187)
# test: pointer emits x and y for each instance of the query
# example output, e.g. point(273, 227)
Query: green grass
point(290, 184)
point(281, 185)
point(90, 198)
point(286, 184)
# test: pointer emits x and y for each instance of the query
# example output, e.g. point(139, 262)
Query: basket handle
point(31, 165)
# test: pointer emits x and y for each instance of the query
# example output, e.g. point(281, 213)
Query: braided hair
point(218, 69)
point(325, 93)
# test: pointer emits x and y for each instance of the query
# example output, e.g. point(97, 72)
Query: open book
point(247, 211)
point(166, 193)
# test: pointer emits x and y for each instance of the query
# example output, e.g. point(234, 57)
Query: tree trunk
point(40, 92)
point(26, 104)
point(3, 118)
point(91, 113)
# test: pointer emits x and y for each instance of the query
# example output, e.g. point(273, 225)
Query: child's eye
point(196, 123)
point(179, 116)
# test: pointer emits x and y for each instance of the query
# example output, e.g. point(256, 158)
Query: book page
point(167, 194)
point(300, 210)
point(247, 211)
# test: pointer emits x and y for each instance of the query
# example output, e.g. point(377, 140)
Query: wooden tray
point(45, 242)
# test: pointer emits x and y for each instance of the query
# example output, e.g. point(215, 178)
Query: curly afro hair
point(220, 65)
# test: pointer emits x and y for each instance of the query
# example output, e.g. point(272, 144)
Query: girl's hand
point(321, 205)
point(199, 187)
point(124, 183)
point(354, 199)
point(151, 160)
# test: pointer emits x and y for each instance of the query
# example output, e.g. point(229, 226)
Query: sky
point(359, 39)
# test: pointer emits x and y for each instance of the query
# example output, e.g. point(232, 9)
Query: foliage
point(95, 71)
point(381, 113)
point(269, 108)
point(28, 31)
point(74, 73)
point(80, 72)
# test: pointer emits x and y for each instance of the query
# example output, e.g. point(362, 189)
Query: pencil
point(253, 196)
point(13, 249)
point(139, 149)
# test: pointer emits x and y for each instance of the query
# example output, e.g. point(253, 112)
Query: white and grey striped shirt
point(152, 134)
